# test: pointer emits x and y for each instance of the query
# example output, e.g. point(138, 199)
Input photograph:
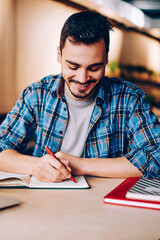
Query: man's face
point(82, 67)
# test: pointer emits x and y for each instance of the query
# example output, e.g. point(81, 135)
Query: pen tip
point(72, 178)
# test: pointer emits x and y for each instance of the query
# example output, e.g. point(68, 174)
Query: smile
point(81, 86)
point(81, 90)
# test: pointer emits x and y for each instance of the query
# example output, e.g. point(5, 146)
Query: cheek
point(98, 75)
point(67, 73)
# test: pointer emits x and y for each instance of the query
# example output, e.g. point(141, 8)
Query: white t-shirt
point(79, 116)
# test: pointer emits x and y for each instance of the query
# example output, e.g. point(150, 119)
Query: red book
point(118, 196)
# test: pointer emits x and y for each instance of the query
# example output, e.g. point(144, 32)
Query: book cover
point(145, 189)
point(118, 196)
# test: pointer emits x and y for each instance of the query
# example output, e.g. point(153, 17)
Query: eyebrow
point(73, 63)
point(92, 65)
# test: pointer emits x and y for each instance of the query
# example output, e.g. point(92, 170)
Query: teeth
point(82, 85)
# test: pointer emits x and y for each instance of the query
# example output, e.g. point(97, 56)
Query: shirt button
point(64, 109)
point(60, 132)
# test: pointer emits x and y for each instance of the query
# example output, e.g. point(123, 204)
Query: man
point(95, 125)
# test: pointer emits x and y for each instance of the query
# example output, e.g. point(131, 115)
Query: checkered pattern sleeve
point(144, 137)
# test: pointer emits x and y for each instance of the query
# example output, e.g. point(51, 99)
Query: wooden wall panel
point(7, 55)
point(38, 30)
point(29, 36)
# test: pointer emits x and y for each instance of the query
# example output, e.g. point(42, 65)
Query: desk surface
point(75, 215)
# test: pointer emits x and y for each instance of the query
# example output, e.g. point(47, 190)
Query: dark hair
point(86, 27)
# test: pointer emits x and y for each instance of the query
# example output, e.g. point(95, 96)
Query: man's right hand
point(49, 169)
point(46, 168)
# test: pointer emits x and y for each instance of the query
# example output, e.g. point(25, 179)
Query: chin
point(82, 95)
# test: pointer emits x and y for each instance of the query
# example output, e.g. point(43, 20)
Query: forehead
point(78, 52)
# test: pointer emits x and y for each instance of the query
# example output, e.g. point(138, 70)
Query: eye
point(73, 67)
point(94, 69)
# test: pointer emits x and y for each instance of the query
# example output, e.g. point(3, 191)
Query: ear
point(58, 55)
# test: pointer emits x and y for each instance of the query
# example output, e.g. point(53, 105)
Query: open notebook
point(12, 180)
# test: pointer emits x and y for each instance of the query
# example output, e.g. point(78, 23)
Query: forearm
point(110, 167)
point(101, 167)
point(45, 168)
point(13, 161)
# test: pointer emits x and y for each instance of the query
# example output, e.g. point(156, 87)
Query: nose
point(82, 76)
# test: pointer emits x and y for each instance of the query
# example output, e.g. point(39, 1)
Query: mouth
point(82, 86)
point(81, 90)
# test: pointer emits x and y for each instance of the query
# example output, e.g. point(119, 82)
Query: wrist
point(32, 165)
point(85, 166)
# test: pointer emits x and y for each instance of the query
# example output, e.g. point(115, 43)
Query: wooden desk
point(75, 215)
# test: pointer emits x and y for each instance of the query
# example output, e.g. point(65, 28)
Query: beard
point(82, 93)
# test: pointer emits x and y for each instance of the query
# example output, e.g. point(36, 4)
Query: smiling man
point(83, 67)
point(94, 124)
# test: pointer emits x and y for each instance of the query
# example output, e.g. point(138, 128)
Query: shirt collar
point(57, 87)
point(104, 90)
point(60, 91)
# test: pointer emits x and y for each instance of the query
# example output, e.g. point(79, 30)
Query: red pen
point(51, 153)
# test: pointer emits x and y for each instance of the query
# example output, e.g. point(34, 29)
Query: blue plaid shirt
point(121, 123)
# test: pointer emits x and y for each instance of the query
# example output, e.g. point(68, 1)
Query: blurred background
point(29, 36)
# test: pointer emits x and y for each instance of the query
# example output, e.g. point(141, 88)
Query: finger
point(67, 165)
point(65, 159)
point(51, 166)
point(44, 171)
point(52, 175)
point(64, 169)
